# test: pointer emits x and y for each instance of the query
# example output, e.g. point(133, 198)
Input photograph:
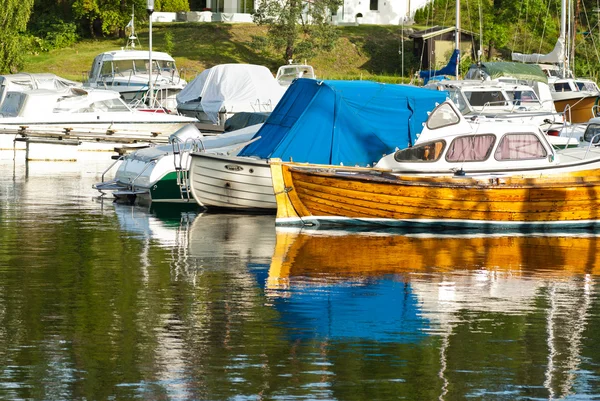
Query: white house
point(351, 12)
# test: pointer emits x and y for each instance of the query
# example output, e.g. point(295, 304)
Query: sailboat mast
point(563, 35)
point(457, 36)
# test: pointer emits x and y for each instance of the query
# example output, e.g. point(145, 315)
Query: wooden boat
point(325, 196)
point(493, 176)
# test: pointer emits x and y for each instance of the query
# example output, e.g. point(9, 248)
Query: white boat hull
point(231, 182)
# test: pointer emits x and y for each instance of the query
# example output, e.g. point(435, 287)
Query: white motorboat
point(219, 92)
point(511, 101)
point(160, 173)
point(83, 114)
point(127, 72)
point(26, 81)
point(287, 73)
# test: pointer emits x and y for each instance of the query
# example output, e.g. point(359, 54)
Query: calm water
point(107, 301)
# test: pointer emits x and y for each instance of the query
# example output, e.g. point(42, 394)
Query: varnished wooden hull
point(330, 196)
point(581, 108)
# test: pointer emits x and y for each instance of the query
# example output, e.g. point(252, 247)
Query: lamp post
point(150, 10)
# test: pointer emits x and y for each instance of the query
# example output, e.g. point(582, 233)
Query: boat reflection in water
point(506, 303)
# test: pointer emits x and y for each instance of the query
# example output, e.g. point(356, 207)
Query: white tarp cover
point(233, 88)
point(557, 55)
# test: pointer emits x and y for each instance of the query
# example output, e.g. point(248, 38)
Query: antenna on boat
point(131, 38)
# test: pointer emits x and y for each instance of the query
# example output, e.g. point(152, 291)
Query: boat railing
point(595, 110)
point(132, 182)
point(181, 155)
point(590, 145)
point(118, 159)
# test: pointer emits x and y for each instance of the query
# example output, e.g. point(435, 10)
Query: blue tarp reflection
point(383, 309)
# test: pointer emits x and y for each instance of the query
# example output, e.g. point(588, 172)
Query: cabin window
point(488, 98)
point(123, 67)
point(442, 116)
point(562, 87)
point(12, 104)
point(106, 70)
point(522, 97)
point(472, 148)
point(141, 66)
point(427, 152)
point(590, 132)
point(458, 99)
point(374, 5)
point(520, 146)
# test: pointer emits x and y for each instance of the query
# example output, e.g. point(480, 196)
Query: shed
point(434, 46)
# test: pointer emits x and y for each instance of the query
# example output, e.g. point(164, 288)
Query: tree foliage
point(14, 15)
point(297, 28)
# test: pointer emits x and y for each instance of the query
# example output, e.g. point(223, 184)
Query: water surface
point(108, 301)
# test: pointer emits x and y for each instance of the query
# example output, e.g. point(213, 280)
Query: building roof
point(436, 31)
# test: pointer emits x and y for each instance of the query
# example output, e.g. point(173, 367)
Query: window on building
point(374, 5)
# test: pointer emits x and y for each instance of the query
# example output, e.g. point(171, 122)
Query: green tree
point(298, 28)
point(14, 15)
point(172, 5)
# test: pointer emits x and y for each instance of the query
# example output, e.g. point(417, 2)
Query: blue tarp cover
point(343, 122)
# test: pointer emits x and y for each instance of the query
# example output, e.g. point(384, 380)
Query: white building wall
point(389, 12)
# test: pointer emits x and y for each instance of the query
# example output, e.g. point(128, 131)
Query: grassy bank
point(367, 51)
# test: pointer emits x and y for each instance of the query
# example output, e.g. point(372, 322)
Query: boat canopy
point(556, 56)
point(133, 55)
point(349, 122)
point(233, 88)
point(499, 69)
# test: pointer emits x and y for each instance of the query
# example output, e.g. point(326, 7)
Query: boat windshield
point(131, 67)
point(561, 87)
point(442, 116)
point(459, 100)
point(108, 105)
point(522, 97)
point(587, 86)
point(486, 98)
point(592, 132)
point(426, 152)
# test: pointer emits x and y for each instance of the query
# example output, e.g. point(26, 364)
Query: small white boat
point(127, 72)
point(26, 81)
point(224, 90)
point(287, 73)
point(83, 114)
point(161, 173)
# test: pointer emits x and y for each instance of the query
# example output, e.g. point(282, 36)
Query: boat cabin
point(450, 143)
point(287, 73)
point(123, 67)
